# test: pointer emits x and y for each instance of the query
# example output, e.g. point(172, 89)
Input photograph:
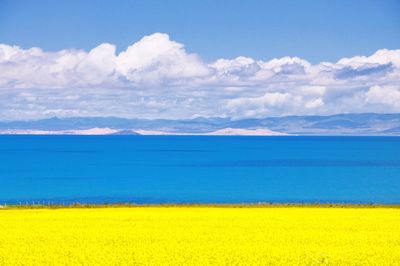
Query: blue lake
point(199, 169)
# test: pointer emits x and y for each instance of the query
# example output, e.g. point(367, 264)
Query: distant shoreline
point(141, 132)
point(199, 205)
point(349, 124)
point(200, 135)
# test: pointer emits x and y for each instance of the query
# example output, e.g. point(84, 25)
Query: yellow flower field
point(200, 236)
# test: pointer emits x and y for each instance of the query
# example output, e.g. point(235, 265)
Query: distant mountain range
point(341, 124)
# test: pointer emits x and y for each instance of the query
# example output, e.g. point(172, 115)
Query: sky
point(184, 59)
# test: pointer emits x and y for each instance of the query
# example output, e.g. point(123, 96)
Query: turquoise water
point(199, 169)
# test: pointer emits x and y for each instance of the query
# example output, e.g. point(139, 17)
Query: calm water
point(159, 169)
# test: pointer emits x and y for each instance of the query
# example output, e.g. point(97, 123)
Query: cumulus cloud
point(157, 78)
point(385, 97)
point(156, 59)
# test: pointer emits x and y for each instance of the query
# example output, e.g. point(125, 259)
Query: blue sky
point(315, 30)
point(186, 59)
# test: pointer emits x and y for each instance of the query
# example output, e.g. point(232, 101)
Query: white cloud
point(156, 59)
point(386, 97)
point(315, 103)
point(317, 90)
point(157, 78)
point(258, 106)
point(381, 57)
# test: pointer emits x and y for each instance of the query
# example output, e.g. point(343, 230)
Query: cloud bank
point(157, 78)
